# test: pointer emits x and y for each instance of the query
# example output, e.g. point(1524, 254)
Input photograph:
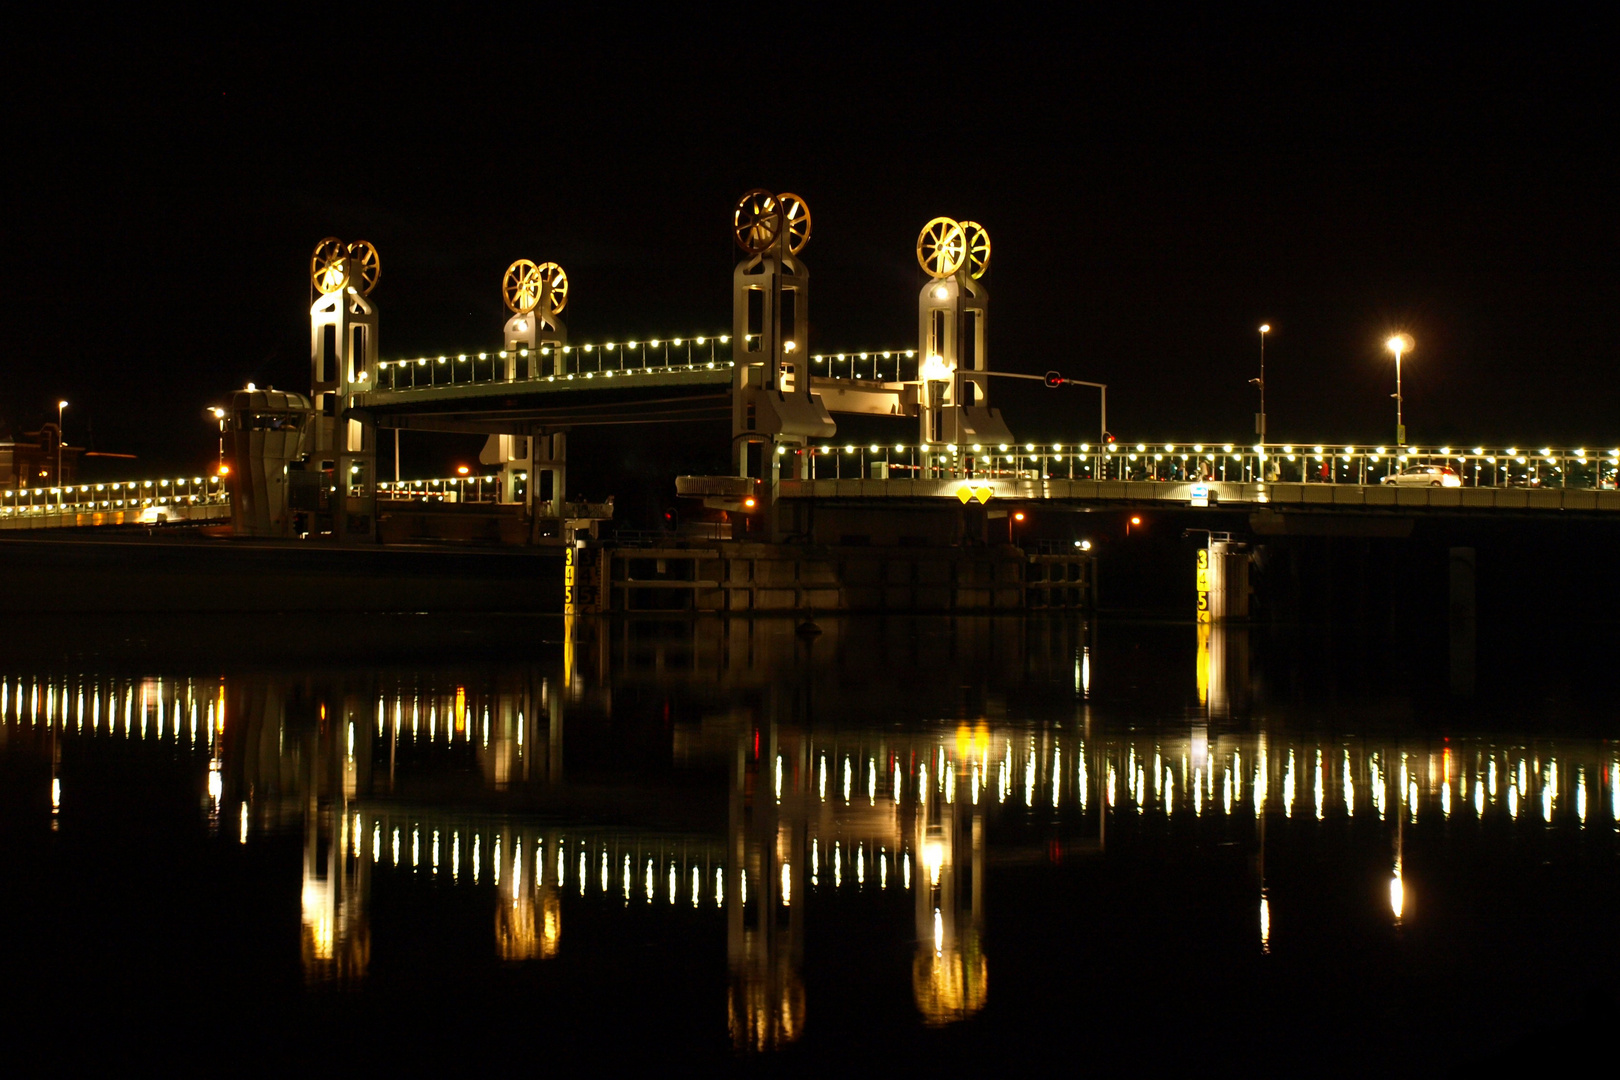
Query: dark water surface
point(1109, 846)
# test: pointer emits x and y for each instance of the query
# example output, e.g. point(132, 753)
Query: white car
point(1424, 476)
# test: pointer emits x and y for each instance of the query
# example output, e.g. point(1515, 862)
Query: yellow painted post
point(568, 580)
point(1203, 659)
point(1204, 615)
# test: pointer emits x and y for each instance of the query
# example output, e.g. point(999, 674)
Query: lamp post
point(1260, 421)
point(60, 406)
point(219, 415)
point(1398, 344)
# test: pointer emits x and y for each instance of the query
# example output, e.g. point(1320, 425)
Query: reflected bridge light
point(933, 854)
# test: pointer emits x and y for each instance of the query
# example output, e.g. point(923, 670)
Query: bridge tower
point(534, 339)
point(343, 356)
point(952, 318)
point(535, 334)
point(773, 408)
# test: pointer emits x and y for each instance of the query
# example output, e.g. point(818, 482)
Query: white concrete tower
point(952, 322)
point(343, 356)
point(773, 406)
point(534, 341)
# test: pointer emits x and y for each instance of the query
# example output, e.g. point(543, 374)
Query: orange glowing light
point(749, 502)
point(1018, 516)
point(1136, 521)
point(461, 470)
point(224, 470)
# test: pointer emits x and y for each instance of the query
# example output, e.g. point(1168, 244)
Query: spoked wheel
point(796, 213)
point(976, 238)
point(364, 266)
point(941, 247)
point(521, 287)
point(555, 279)
point(755, 221)
point(329, 266)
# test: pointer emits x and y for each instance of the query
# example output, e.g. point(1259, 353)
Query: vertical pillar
point(1223, 582)
point(343, 359)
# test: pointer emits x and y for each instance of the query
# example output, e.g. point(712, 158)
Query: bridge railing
point(478, 490)
point(450, 489)
point(1545, 467)
point(112, 496)
point(587, 360)
point(890, 365)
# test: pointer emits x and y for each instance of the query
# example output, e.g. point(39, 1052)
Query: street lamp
point(60, 405)
point(219, 414)
point(1260, 421)
point(1398, 344)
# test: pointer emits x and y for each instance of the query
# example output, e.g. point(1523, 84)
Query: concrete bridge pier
point(1223, 581)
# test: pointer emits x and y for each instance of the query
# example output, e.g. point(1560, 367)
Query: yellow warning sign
point(967, 494)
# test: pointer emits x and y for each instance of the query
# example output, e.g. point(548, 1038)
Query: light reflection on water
point(381, 772)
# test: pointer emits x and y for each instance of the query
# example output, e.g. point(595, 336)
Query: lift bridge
point(908, 524)
point(308, 465)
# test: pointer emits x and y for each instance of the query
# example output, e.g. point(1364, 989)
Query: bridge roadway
point(1312, 496)
point(122, 502)
point(607, 382)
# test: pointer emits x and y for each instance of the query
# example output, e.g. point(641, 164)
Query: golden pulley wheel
point(364, 266)
point(329, 266)
point(977, 240)
point(796, 213)
point(521, 287)
point(941, 247)
point(756, 219)
point(556, 281)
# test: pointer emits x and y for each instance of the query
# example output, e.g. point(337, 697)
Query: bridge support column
point(1223, 585)
point(515, 455)
point(354, 480)
point(548, 477)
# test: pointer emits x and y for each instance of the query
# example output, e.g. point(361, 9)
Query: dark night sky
point(1152, 198)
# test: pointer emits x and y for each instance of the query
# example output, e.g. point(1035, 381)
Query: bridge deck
point(1314, 495)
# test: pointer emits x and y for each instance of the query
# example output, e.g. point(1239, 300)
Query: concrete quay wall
point(104, 574)
point(757, 578)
